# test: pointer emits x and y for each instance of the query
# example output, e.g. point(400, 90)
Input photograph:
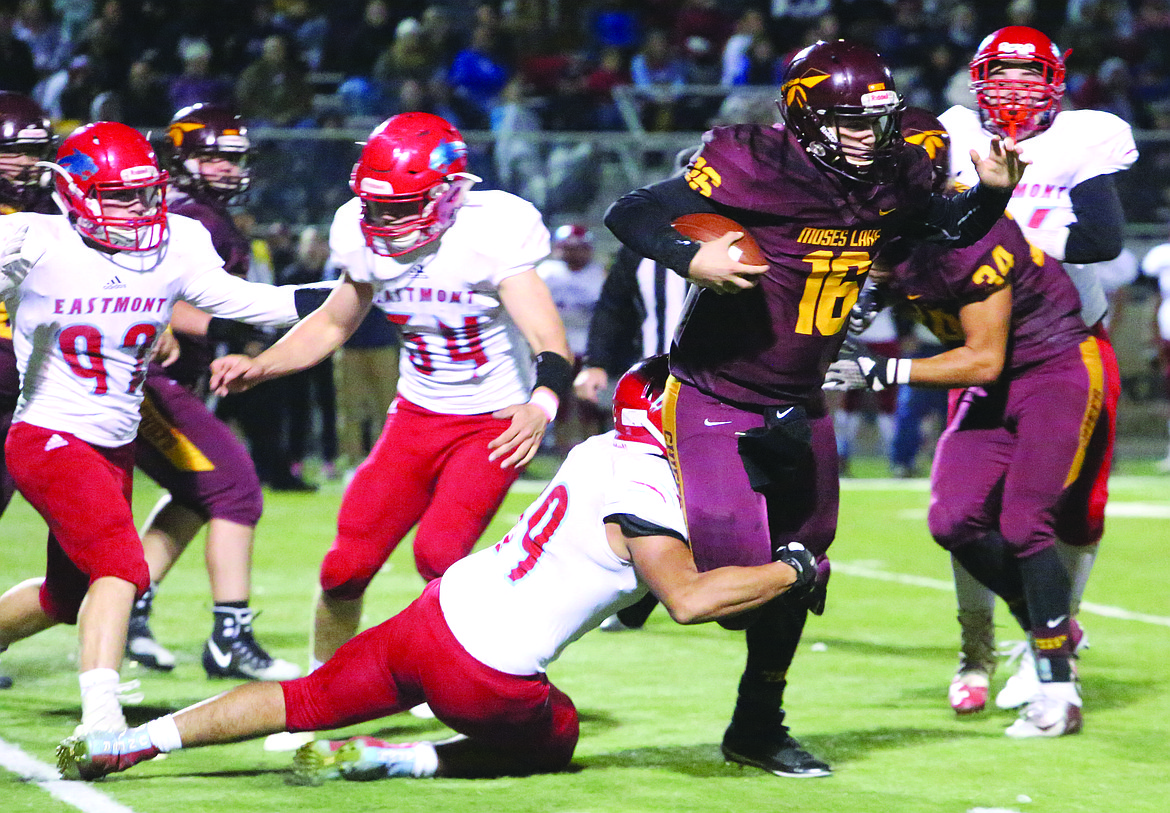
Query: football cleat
point(144, 650)
point(356, 758)
point(968, 691)
point(1053, 712)
point(1022, 686)
point(234, 652)
point(614, 624)
point(780, 755)
point(245, 659)
point(100, 753)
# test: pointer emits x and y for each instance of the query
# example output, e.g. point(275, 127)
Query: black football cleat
point(776, 752)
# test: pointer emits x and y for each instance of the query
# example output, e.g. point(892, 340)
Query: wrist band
point(898, 371)
point(547, 402)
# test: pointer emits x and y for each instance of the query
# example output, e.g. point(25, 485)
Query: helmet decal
point(80, 165)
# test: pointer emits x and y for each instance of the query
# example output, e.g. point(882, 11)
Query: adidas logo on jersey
point(113, 283)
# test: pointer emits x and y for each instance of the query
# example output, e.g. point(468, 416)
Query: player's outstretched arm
point(528, 302)
point(1003, 167)
point(691, 597)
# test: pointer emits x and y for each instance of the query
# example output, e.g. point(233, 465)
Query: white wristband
point(898, 371)
point(547, 402)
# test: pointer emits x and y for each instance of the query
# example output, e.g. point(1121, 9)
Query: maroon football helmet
point(108, 179)
point(637, 403)
point(411, 179)
point(26, 136)
point(203, 133)
point(923, 128)
point(1018, 107)
point(834, 85)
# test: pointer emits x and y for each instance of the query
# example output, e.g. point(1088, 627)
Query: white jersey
point(1080, 144)
point(515, 606)
point(575, 294)
point(461, 352)
point(1156, 264)
point(84, 322)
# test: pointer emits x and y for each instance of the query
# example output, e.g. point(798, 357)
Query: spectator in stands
point(658, 69)
point(751, 24)
point(37, 26)
point(478, 74)
point(196, 83)
point(409, 56)
point(609, 73)
point(18, 72)
point(143, 103)
point(69, 94)
point(273, 90)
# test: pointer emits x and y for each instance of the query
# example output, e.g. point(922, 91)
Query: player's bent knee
point(344, 579)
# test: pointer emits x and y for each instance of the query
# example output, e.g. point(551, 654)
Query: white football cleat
point(1022, 686)
point(1053, 712)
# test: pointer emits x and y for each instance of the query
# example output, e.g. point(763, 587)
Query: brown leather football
point(704, 227)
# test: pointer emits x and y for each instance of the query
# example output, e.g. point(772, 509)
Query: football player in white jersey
point(89, 296)
point(456, 271)
point(475, 646)
point(1067, 205)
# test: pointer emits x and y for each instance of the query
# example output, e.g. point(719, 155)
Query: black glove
point(859, 368)
point(869, 302)
point(800, 559)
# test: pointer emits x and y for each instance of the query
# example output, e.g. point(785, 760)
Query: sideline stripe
point(83, 796)
point(866, 572)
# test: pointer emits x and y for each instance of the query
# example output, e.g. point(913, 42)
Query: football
point(705, 227)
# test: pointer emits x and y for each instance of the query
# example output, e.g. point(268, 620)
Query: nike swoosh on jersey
point(709, 422)
point(1055, 622)
point(222, 659)
point(884, 212)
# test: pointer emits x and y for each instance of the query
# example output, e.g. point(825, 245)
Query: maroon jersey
point(234, 248)
point(1046, 320)
point(819, 231)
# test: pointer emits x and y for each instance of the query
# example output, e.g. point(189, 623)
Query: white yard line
point(83, 796)
point(867, 572)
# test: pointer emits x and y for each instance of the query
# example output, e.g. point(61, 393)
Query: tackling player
point(476, 644)
point(1027, 424)
point(207, 472)
point(747, 428)
point(1068, 206)
point(455, 270)
point(95, 290)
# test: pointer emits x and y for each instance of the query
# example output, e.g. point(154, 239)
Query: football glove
point(800, 559)
point(869, 302)
point(858, 368)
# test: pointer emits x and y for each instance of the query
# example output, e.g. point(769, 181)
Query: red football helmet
point(831, 85)
point(109, 181)
point(26, 136)
point(411, 178)
point(206, 132)
point(923, 128)
point(1018, 107)
point(637, 403)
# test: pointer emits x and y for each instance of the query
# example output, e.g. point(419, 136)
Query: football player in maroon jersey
point(1026, 432)
point(207, 472)
point(749, 435)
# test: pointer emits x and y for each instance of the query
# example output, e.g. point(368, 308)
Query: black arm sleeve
point(641, 219)
point(963, 219)
point(1098, 233)
point(633, 527)
point(619, 310)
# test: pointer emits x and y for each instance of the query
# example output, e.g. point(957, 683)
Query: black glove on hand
point(800, 559)
point(869, 302)
point(858, 368)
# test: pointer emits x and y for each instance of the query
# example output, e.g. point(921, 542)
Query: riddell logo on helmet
point(142, 173)
point(1017, 50)
point(879, 98)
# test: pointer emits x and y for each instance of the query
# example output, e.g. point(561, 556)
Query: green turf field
point(867, 691)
